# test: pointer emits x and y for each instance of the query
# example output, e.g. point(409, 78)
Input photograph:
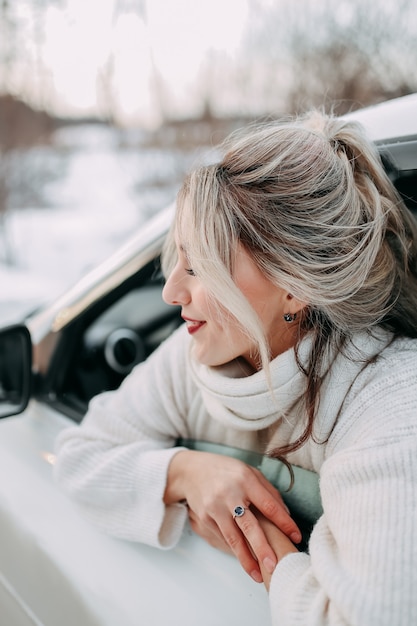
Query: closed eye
point(190, 272)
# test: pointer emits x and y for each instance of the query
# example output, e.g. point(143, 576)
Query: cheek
point(223, 319)
point(267, 300)
point(212, 310)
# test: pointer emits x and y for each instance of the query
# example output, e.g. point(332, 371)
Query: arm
point(361, 569)
point(213, 485)
point(279, 543)
point(114, 465)
point(119, 464)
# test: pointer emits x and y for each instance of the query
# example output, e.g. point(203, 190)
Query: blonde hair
point(309, 200)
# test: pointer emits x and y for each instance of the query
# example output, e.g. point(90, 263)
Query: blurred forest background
point(271, 57)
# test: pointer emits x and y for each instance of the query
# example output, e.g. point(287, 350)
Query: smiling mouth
point(193, 325)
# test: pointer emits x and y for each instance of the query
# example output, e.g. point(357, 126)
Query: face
point(217, 337)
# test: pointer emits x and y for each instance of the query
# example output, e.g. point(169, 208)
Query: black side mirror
point(15, 369)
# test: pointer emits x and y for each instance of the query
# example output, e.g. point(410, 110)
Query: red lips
point(193, 325)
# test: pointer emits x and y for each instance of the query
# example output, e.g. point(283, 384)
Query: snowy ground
point(106, 193)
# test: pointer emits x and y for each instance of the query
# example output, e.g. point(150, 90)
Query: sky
point(111, 38)
point(137, 60)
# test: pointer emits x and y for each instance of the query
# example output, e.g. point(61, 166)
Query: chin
point(210, 360)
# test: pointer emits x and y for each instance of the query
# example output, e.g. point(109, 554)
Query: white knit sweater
point(362, 563)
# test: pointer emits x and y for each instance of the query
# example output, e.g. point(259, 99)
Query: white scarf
point(246, 403)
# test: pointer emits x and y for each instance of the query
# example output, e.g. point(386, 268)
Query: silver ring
point(238, 511)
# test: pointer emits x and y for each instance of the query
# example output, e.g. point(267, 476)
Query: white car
point(56, 569)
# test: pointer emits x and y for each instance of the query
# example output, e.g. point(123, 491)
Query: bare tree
point(7, 38)
point(107, 95)
point(349, 52)
point(359, 54)
point(20, 125)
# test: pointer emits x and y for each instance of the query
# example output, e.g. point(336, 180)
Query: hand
point(277, 540)
point(213, 485)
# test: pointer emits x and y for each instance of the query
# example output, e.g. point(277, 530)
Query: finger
point(273, 510)
point(269, 501)
point(210, 532)
point(272, 490)
point(213, 538)
point(242, 550)
point(256, 540)
point(270, 487)
point(203, 527)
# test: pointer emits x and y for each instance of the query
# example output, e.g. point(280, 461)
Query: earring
point(290, 317)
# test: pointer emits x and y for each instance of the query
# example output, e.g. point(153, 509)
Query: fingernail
point(295, 537)
point(256, 576)
point(269, 565)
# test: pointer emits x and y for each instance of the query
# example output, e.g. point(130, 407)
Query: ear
point(293, 304)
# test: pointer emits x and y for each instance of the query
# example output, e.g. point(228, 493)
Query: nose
point(175, 290)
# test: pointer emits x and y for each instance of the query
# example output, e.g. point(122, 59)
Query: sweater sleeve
point(114, 465)
point(361, 568)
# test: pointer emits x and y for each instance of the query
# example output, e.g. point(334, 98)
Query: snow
point(108, 189)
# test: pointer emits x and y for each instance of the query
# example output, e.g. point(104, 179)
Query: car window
point(400, 162)
point(102, 346)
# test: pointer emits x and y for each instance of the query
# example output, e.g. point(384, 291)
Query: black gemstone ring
point(238, 511)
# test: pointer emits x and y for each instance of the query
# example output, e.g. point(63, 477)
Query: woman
point(294, 263)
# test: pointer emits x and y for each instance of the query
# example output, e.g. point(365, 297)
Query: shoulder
point(398, 350)
point(378, 359)
point(381, 401)
point(393, 367)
